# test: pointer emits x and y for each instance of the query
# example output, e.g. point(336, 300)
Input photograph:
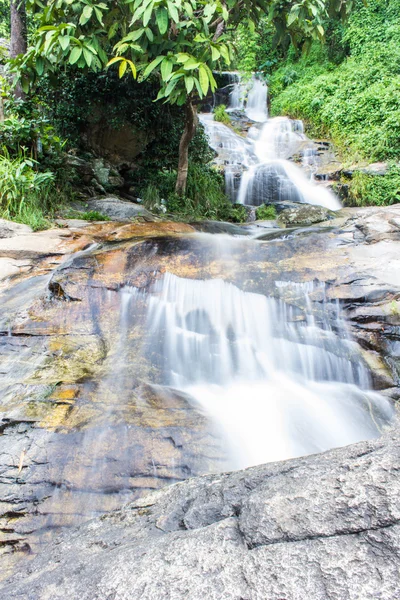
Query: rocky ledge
point(321, 527)
point(325, 527)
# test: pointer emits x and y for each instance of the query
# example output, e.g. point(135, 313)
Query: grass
point(266, 212)
point(26, 195)
point(221, 115)
point(92, 215)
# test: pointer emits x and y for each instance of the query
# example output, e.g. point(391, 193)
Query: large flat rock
point(323, 527)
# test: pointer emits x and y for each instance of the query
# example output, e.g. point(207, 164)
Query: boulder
point(117, 209)
point(10, 229)
point(324, 527)
point(303, 214)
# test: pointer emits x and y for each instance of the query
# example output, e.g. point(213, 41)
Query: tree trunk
point(187, 136)
point(18, 34)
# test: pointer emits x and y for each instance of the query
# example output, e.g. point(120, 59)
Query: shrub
point(205, 197)
point(221, 115)
point(266, 212)
point(26, 195)
point(375, 190)
point(356, 102)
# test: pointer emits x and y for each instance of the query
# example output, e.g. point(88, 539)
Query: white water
point(256, 107)
point(257, 169)
point(277, 388)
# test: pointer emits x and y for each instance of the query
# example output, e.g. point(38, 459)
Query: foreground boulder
point(117, 209)
point(322, 527)
point(303, 214)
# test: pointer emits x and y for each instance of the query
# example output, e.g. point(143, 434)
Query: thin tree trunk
point(187, 136)
point(18, 34)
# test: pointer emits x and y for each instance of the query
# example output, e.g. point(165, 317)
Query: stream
point(146, 361)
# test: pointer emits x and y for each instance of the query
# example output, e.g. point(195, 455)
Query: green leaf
point(147, 14)
point(197, 84)
point(113, 30)
point(88, 56)
point(203, 79)
point(64, 41)
point(173, 11)
point(170, 87)
point(75, 55)
point(162, 19)
point(225, 53)
point(191, 64)
point(39, 65)
point(154, 63)
point(149, 34)
point(189, 9)
point(25, 85)
point(86, 14)
point(166, 68)
point(99, 15)
point(122, 68)
point(215, 53)
point(182, 57)
point(189, 83)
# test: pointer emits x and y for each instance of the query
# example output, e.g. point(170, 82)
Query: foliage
point(375, 190)
point(238, 213)
point(221, 115)
point(26, 195)
point(91, 215)
point(205, 198)
point(266, 212)
point(4, 18)
point(357, 102)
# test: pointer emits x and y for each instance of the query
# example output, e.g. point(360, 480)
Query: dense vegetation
point(342, 79)
point(349, 87)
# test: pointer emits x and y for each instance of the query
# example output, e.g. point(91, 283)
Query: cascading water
point(236, 95)
point(257, 169)
point(256, 107)
point(278, 388)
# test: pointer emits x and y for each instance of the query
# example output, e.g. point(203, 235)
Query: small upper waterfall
point(237, 91)
point(256, 108)
point(257, 168)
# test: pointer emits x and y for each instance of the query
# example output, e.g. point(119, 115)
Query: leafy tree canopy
point(184, 41)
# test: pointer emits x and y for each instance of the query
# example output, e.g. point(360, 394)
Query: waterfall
point(277, 388)
point(234, 152)
point(257, 168)
point(236, 95)
point(256, 107)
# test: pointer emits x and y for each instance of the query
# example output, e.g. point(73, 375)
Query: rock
point(303, 214)
point(119, 145)
point(379, 169)
point(10, 229)
point(117, 209)
point(220, 227)
point(330, 171)
point(324, 527)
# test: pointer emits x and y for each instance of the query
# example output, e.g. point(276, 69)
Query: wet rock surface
point(270, 532)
